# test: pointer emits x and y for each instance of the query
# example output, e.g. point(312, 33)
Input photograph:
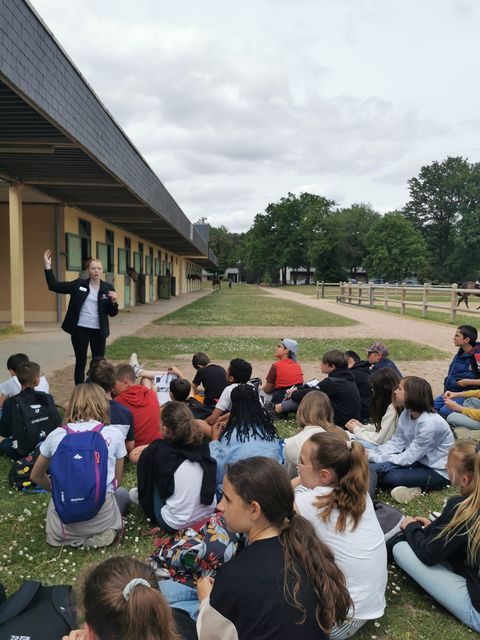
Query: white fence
point(426, 297)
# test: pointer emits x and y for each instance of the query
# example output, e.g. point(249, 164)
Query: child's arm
point(39, 473)
point(119, 471)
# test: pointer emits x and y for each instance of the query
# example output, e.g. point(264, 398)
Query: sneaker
point(104, 539)
point(134, 363)
point(133, 493)
point(405, 494)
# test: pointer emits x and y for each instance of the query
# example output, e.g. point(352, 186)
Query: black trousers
point(81, 337)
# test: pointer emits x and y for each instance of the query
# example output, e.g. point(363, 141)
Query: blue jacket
point(462, 366)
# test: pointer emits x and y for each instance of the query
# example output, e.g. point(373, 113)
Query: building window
point(85, 233)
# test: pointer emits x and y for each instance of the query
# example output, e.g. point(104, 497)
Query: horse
point(216, 284)
point(463, 297)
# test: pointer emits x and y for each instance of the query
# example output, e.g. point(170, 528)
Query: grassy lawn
point(436, 316)
point(25, 555)
point(246, 305)
point(311, 349)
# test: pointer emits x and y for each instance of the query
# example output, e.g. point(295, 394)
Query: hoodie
point(361, 371)
point(145, 408)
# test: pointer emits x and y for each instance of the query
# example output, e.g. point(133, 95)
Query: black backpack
point(19, 474)
point(37, 612)
point(32, 420)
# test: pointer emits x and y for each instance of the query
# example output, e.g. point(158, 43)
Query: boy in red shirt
point(284, 373)
point(143, 404)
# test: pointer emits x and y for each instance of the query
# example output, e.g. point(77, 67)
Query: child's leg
point(457, 419)
point(123, 499)
point(417, 475)
point(445, 586)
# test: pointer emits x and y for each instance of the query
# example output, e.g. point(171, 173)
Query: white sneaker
point(405, 494)
point(133, 493)
point(104, 539)
point(134, 363)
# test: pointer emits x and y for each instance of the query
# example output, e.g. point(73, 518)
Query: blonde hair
point(349, 465)
point(88, 402)
point(466, 517)
point(315, 409)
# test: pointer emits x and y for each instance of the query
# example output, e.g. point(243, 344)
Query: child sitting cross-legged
point(176, 475)
point(443, 556)
point(85, 473)
point(332, 494)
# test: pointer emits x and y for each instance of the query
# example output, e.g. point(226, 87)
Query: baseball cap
point(378, 347)
point(292, 346)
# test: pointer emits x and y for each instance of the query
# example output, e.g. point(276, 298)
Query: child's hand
point(351, 424)
point(204, 587)
point(465, 382)
point(449, 394)
point(406, 521)
point(425, 522)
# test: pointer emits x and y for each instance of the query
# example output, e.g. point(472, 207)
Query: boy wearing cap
point(284, 373)
point(377, 356)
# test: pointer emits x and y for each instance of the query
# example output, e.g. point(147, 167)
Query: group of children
point(315, 562)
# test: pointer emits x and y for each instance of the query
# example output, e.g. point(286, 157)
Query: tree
point(395, 248)
point(227, 246)
point(441, 196)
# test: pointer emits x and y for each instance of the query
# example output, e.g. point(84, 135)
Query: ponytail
point(348, 463)
point(122, 602)
point(264, 481)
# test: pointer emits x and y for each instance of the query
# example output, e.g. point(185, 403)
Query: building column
point(17, 295)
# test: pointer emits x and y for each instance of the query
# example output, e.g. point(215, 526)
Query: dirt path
point(372, 324)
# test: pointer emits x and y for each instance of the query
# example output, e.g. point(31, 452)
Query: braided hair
point(248, 417)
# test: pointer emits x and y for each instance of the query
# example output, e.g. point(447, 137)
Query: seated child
point(361, 369)
point(339, 385)
point(12, 386)
point(102, 373)
point(415, 458)
point(159, 381)
point(239, 372)
point(332, 494)
point(121, 600)
point(211, 376)
point(176, 475)
point(314, 415)
point(248, 432)
point(384, 410)
point(143, 405)
point(181, 391)
point(88, 407)
point(284, 373)
point(29, 416)
point(443, 556)
point(466, 415)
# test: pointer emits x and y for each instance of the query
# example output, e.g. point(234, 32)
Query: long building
point(71, 180)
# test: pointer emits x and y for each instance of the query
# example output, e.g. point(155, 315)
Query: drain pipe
point(58, 210)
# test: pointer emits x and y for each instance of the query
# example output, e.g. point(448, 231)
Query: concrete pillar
point(17, 295)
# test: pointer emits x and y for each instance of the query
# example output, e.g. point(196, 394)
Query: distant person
point(362, 372)
point(92, 301)
point(463, 372)
point(377, 356)
point(285, 372)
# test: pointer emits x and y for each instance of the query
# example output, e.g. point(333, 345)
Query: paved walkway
point(46, 343)
point(373, 322)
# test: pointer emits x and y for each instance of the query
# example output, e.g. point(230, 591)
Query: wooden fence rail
point(371, 295)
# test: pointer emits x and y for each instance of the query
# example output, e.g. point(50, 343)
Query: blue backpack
point(78, 470)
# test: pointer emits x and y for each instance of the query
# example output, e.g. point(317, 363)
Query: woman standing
point(91, 302)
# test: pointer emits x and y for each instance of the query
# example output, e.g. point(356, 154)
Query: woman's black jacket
point(78, 290)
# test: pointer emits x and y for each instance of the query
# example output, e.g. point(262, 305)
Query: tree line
point(434, 237)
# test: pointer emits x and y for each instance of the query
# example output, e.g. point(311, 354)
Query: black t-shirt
point(249, 592)
point(213, 377)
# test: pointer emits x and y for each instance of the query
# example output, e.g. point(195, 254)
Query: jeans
point(80, 337)
point(445, 586)
point(441, 407)
point(390, 475)
point(457, 419)
point(180, 596)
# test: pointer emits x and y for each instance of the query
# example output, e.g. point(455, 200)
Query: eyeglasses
point(305, 466)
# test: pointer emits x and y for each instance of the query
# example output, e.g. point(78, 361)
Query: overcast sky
point(234, 104)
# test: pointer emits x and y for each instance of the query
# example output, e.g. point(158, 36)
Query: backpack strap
point(19, 601)
point(96, 428)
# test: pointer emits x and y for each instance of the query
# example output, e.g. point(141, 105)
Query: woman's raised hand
point(47, 259)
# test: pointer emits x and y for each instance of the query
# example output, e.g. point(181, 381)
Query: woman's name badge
point(82, 288)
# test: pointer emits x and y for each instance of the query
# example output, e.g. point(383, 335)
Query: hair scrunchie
point(132, 584)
